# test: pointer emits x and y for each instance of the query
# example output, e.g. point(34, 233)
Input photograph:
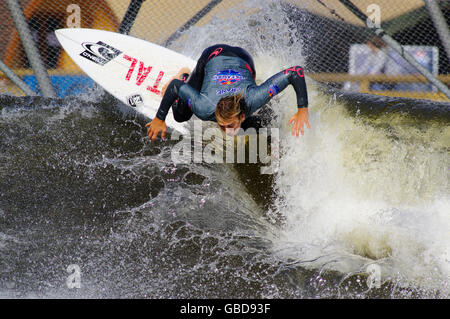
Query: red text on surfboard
point(143, 72)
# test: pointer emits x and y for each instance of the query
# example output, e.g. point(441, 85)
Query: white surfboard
point(131, 69)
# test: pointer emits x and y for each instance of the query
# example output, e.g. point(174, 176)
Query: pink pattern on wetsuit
point(215, 53)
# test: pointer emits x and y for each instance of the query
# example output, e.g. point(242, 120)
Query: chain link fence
point(339, 49)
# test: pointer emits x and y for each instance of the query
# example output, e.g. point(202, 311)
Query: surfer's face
point(231, 127)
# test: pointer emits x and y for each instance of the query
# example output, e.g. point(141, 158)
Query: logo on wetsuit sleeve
point(273, 90)
point(227, 77)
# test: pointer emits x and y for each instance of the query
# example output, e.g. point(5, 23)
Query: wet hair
point(230, 107)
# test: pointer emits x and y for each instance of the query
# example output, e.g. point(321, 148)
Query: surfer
point(222, 89)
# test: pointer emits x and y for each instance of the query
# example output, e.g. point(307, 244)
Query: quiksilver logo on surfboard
point(135, 100)
point(100, 52)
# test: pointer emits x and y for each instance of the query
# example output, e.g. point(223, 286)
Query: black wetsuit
point(221, 71)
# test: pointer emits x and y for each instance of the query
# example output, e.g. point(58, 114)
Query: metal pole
point(439, 23)
point(30, 49)
point(16, 80)
point(398, 48)
point(130, 16)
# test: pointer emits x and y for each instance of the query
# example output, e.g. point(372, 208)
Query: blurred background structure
point(346, 44)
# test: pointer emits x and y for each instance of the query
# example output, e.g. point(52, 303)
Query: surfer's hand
point(154, 127)
point(300, 118)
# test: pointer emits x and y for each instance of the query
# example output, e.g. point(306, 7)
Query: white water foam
point(352, 193)
point(348, 190)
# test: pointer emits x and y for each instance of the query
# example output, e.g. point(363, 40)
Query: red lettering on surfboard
point(131, 69)
point(154, 88)
point(143, 72)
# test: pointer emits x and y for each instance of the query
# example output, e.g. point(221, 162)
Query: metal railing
point(365, 82)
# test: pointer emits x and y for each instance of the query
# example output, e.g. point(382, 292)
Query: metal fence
point(346, 44)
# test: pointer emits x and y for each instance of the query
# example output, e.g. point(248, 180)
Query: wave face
point(358, 207)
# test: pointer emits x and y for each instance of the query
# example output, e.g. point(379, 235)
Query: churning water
point(359, 206)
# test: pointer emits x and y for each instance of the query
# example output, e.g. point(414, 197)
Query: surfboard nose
point(62, 33)
point(68, 32)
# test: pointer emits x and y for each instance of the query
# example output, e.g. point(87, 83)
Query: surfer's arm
point(170, 95)
point(257, 96)
point(199, 104)
point(158, 124)
point(177, 89)
point(172, 89)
